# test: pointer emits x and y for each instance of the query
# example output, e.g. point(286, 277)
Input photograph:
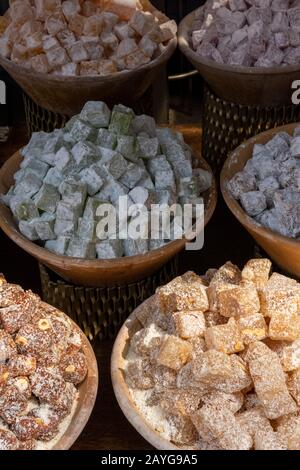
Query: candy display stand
point(239, 101)
point(226, 125)
point(101, 311)
point(284, 251)
point(96, 273)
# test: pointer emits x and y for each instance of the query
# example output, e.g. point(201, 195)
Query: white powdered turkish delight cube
point(123, 30)
point(109, 41)
point(109, 20)
point(147, 46)
point(94, 49)
point(268, 186)
point(64, 161)
point(24, 210)
point(142, 196)
point(28, 230)
point(57, 56)
point(55, 23)
point(47, 198)
point(96, 113)
point(253, 202)
point(92, 178)
point(64, 228)
point(121, 119)
point(66, 212)
point(106, 139)
point(135, 247)
point(132, 176)
point(142, 22)
point(114, 162)
point(37, 167)
point(81, 131)
point(148, 147)
point(70, 69)
point(183, 169)
point(84, 153)
point(78, 52)
point(126, 47)
point(165, 196)
point(40, 64)
point(58, 246)
point(29, 185)
point(44, 226)
point(66, 38)
point(70, 8)
point(109, 249)
point(73, 192)
point(111, 191)
point(157, 164)
point(144, 123)
point(81, 248)
point(50, 42)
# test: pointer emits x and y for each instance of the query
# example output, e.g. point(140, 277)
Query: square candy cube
point(25, 210)
point(66, 212)
point(96, 114)
point(53, 177)
point(82, 131)
point(64, 161)
point(148, 148)
point(47, 198)
point(189, 324)
point(144, 123)
point(252, 327)
point(165, 180)
point(37, 167)
point(114, 162)
point(65, 228)
point(44, 227)
point(29, 185)
point(109, 249)
point(78, 52)
point(157, 164)
point(121, 120)
point(225, 338)
point(57, 56)
point(126, 145)
point(106, 139)
point(238, 301)
point(85, 153)
point(133, 175)
point(28, 230)
point(174, 353)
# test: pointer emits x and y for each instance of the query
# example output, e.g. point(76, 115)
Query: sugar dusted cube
point(82, 131)
point(64, 228)
point(26, 210)
point(232, 401)
point(268, 440)
point(221, 424)
point(96, 113)
point(66, 38)
point(27, 228)
point(252, 327)
point(106, 67)
point(106, 139)
point(92, 178)
point(76, 24)
point(148, 340)
point(63, 160)
point(183, 432)
point(55, 23)
point(279, 298)
point(109, 249)
point(168, 30)
point(139, 375)
point(142, 22)
point(47, 198)
point(212, 367)
point(189, 324)
point(289, 355)
point(228, 273)
point(121, 120)
point(89, 68)
point(225, 338)
point(174, 353)
point(270, 385)
point(40, 63)
point(254, 420)
point(257, 271)
point(79, 248)
point(70, 69)
point(136, 59)
point(239, 301)
point(285, 326)
point(78, 52)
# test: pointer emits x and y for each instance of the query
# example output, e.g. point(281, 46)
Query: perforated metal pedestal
point(100, 312)
point(226, 125)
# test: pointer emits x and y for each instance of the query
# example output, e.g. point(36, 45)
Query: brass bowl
point(95, 273)
point(284, 251)
point(242, 85)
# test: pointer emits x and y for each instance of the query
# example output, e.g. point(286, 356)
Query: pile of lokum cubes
point(216, 361)
point(78, 37)
point(99, 156)
point(42, 363)
point(268, 188)
point(248, 33)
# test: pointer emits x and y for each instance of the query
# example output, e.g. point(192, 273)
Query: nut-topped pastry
point(233, 355)
point(41, 363)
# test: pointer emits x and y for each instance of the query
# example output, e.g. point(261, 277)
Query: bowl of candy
point(252, 47)
point(260, 184)
point(54, 191)
point(48, 374)
point(211, 362)
point(81, 51)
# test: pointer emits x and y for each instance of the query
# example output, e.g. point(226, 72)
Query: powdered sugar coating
point(238, 383)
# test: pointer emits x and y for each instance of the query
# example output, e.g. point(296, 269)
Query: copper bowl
point(242, 85)
point(284, 251)
point(87, 397)
point(96, 273)
point(68, 95)
point(122, 393)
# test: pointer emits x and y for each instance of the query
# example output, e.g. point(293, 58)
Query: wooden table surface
point(225, 240)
